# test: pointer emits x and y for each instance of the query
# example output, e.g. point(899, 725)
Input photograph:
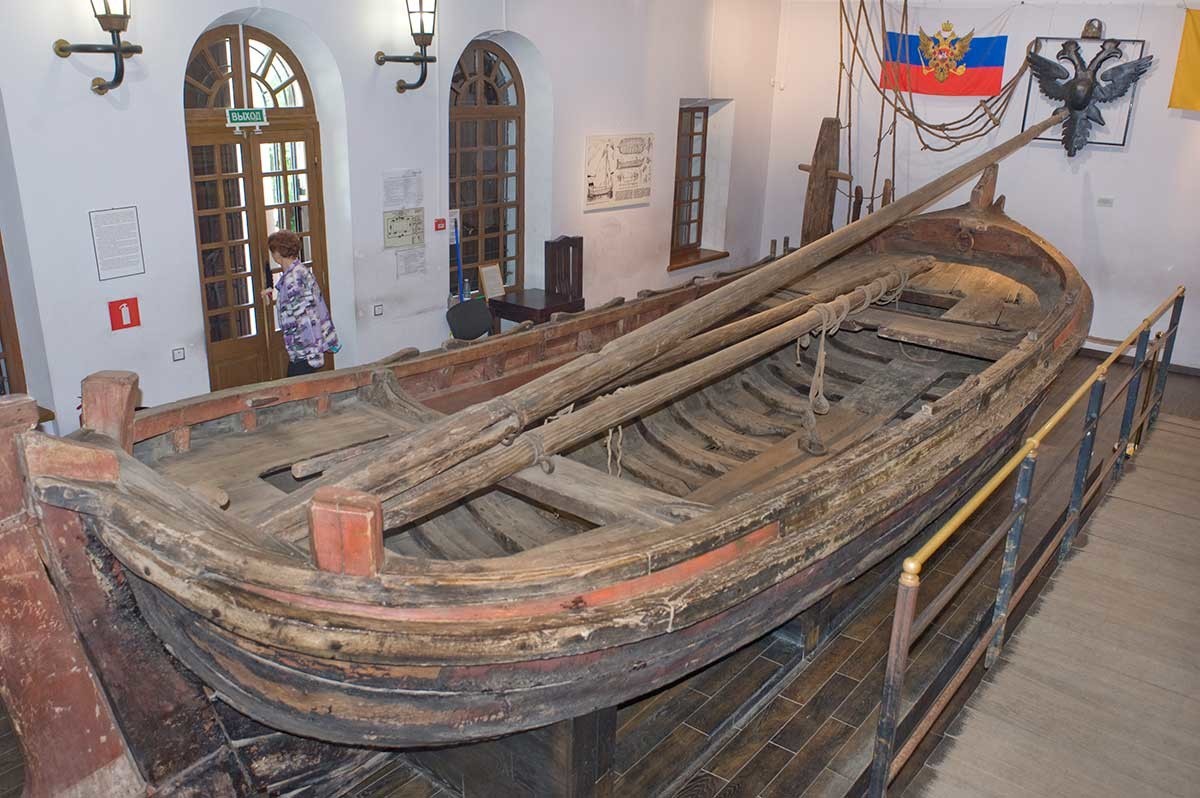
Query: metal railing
point(1088, 482)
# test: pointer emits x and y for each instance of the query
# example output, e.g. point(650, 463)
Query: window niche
point(700, 198)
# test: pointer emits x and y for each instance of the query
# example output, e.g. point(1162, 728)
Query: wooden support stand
point(69, 735)
point(569, 759)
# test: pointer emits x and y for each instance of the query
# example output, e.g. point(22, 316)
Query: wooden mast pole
point(458, 437)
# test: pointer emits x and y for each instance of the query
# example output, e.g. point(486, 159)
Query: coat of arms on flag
point(944, 63)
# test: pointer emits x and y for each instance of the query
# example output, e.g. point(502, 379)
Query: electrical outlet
point(1105, 202)
point(178, 354)
point(377, 310)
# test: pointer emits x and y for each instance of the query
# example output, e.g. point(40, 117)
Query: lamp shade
point(422, 15)
point(113, 15)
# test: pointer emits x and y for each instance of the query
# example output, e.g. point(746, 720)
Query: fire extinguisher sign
point(123, 314)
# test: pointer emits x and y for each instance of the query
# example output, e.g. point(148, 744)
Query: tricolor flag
point(1185, 91)
point(944, 63)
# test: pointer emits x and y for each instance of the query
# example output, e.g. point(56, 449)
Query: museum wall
point(592, 67)
point(1132, 253)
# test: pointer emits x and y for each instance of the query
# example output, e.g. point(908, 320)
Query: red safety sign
point(123, 314)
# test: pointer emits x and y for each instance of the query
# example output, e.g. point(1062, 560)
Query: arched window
point(487, 163)
point(246, 186)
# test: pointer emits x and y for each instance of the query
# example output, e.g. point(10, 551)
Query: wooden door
point(288, 166)
point(228, 236)
point(245, 187)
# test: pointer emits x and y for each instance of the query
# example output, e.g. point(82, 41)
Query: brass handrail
point(906, 627)
point(914, 563)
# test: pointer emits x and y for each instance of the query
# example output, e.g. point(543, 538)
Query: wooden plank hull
point(409, 706)
point(479, 644)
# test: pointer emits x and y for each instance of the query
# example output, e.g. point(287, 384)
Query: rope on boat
point(620, 430)
point(519, 420)
point(539, 451)
point(566, 411)
point(614, 453)
point(833, 314)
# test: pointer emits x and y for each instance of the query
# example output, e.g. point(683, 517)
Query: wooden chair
point(564, 267)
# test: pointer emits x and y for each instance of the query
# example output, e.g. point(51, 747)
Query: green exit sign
point(245, 117)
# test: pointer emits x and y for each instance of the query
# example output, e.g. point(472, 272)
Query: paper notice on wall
point(117, 241)
point(410, 261)
point(404, 229)
point(617, 171)
point(403, 188)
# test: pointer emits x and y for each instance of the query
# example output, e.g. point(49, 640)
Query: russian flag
point(905, 69)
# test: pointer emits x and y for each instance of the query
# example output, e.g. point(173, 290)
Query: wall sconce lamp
point(422, 14)
point(113, 16)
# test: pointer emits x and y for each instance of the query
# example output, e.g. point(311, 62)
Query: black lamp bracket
point(422, 57)
point(118, 49)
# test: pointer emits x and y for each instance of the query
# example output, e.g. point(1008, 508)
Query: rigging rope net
point(985, 117)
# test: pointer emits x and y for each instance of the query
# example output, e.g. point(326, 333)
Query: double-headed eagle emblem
point(1082, 92)
point(942, 52)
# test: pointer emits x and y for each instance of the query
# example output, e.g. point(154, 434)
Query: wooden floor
point(814, 739)
point(1098, 692)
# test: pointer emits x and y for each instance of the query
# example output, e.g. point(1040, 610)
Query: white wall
point(613, 66)
point(1132, 254)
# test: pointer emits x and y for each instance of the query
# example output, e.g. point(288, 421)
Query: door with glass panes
point(244, 187)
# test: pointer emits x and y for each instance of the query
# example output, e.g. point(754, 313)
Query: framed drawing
point(617, 171)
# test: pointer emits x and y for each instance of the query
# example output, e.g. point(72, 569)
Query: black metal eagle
point(1082, 92)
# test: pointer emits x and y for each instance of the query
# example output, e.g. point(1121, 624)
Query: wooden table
point(530, 304)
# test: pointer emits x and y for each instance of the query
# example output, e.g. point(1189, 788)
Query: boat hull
point(412, 706)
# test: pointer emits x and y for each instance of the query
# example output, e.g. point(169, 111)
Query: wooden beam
point(821, 195)
point(961, 338)
point(109, 398)
point(46, 455)
point(346, 532)
point(594, 496)
point(985, 190)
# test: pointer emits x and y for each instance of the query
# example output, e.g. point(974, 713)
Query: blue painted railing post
point(893, 681)
point(1131, 398)
point(1161, 383)
point(1012, 546)
point(1084, 464)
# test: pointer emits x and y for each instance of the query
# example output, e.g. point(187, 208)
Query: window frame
point(680, 205)
point(480, 115)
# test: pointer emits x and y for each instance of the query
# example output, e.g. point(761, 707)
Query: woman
point(308, 331)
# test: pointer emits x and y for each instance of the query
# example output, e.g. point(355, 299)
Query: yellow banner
point(1185, 92)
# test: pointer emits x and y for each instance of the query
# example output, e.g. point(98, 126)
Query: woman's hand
point(268, 295)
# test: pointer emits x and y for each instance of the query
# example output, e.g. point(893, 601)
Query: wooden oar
point(412, 460)
point(609, 411)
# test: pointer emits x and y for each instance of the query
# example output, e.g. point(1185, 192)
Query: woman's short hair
point(284, 242)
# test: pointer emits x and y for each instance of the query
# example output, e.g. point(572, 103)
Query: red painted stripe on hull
point(613, 594)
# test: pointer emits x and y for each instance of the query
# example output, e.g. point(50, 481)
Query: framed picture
point(1117, 115)
point(117, 241)
point(617, 171)
point(493, 281)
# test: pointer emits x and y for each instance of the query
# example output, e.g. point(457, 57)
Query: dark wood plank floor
point(813, 739)
point(1098, 692)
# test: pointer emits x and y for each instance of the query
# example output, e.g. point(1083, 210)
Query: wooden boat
point(576, 514)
